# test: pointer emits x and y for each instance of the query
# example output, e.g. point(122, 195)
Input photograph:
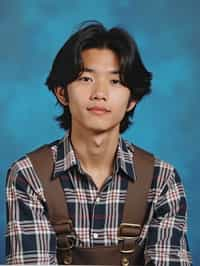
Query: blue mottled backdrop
point(167, 122)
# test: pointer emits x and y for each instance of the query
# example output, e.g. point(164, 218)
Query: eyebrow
point(90, 70)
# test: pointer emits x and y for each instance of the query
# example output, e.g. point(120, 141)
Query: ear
point(60, 93)
point(131, 105)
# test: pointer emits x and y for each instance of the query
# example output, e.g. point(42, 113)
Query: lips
point(99, 110)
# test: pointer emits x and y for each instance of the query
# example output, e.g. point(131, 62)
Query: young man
point(98, 77)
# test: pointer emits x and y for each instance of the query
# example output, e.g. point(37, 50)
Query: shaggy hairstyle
point(68, 64)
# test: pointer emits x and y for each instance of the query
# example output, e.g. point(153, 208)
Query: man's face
point(97, 100)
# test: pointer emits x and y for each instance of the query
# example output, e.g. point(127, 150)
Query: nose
point(99, 91)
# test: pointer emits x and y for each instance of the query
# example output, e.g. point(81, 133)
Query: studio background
point(166, 123)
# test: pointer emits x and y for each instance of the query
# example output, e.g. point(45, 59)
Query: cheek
point(119, 111)
point(78, 94)
point(77, 103)
point(120, 100)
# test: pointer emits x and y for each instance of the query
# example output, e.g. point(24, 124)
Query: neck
point(95, 151)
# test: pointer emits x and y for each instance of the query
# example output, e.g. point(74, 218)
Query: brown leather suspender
point(42, 161)
point(135, 210)
point(43, 164)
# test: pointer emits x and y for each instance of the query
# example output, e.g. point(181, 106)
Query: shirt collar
point(124, 159)
point(65, 158)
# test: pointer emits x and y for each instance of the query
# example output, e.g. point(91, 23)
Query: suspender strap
point(136, 202)
point(42, 160)
point(135, 208)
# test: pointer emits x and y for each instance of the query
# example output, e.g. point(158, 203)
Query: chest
point(96, 214)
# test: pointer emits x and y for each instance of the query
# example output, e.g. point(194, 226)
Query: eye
point(116, 82)
point(85, 79)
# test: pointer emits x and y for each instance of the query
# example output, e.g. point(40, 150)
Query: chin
point(101, 129)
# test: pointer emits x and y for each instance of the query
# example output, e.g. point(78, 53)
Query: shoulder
point(21, 174)
point(164, 172)
point(167, 180)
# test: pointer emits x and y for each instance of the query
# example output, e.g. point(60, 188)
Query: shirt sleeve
point(30, 239)
point(166, 242)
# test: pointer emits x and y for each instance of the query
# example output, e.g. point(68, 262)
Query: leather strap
point(136, 202)
point(42, 160)
point(135, 208)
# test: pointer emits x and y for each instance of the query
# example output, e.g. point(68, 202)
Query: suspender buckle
point(128, 231)
point(127, 235)
point(65, 244)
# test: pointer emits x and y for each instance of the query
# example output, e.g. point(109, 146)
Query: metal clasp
point(128, 233)
point(65, 243)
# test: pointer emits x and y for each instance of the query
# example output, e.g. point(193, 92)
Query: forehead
point(100, 60)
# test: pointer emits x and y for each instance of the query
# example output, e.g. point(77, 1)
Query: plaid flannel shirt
point(96, 214)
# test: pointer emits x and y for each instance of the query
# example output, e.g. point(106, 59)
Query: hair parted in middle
point(68, 64)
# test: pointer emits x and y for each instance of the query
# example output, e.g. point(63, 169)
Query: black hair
point(68, 64)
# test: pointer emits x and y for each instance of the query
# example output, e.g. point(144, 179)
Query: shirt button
point(95, 235)
point(97, 199)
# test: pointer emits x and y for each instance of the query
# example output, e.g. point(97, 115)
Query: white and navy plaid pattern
point(96, 215)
